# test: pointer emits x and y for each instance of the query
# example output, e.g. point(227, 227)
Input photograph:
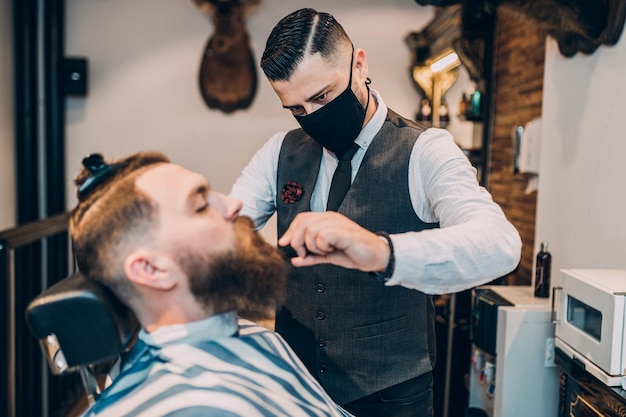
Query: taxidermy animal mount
point(227, 76)
point(576, 25)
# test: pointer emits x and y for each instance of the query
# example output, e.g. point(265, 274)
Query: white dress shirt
point(475, 243)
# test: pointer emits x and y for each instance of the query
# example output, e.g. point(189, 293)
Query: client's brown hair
point(109, 217)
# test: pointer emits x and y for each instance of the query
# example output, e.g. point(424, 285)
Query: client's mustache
point(244, 221)
point(247, 237)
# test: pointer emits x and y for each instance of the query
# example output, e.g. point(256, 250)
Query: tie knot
point(348, 153)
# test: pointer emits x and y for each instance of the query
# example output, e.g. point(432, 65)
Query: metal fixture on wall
point(75, 76)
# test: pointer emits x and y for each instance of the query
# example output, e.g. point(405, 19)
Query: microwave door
point(591, 321)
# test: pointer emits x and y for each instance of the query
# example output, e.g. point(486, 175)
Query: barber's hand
point(330, 237)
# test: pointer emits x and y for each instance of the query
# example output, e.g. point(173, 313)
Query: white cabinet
point(521, 380)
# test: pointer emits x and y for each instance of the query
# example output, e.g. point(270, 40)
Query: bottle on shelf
point(444, 114)
point(542, 272)
point(463, 106)
point(475, 104)
point(425, 113)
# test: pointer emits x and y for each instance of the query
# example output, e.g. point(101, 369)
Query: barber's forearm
point(440, 261)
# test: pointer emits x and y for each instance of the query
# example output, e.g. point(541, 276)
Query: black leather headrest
point(89, 322)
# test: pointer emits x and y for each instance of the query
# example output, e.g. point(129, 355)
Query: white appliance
point(590, 320)
point(519, 378)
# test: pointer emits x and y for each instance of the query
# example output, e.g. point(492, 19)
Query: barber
point(414, 222)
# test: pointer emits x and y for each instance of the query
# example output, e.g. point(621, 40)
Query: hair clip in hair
point(99, 171)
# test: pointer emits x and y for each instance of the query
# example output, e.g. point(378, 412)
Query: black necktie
point(341, 178)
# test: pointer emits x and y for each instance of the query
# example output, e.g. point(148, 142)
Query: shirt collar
point(214, 327)
point(375, 124)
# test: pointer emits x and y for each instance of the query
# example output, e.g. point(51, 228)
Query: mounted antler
point(227, 75)
point(576, 25)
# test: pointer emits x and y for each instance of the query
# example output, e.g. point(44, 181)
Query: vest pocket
point(379, 329)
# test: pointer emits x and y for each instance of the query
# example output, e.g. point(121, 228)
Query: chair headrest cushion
point(90, 323)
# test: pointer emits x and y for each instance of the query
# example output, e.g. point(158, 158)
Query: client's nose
point(232, 206)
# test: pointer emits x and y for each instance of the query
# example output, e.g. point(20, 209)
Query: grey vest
point(356, 335)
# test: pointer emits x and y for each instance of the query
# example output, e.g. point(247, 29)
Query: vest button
point(322, 342)
point(324, 368)
point(320, 315)
point(321, 288)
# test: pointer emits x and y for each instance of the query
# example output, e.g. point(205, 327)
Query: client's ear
point(148, 270)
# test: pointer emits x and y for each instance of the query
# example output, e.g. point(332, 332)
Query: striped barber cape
point(219, 366)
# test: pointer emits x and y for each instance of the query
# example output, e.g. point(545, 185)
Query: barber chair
point(80, 324)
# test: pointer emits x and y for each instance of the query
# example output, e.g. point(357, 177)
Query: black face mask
point(337, 124)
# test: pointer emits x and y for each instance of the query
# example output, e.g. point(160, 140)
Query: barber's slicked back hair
point(115, 213)
point(297, 35)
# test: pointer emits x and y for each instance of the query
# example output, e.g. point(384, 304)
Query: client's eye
point(202, 203)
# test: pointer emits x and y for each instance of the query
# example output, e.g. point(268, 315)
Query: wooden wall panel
point(520, 54)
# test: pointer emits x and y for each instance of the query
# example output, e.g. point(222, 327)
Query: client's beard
point(250, 278)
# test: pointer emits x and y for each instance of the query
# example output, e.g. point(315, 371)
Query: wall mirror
point(452, 70)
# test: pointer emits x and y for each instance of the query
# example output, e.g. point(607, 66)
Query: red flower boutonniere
point(291, 192)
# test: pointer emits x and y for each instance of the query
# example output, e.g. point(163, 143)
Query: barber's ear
point(148, 270)
point(361, 63)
